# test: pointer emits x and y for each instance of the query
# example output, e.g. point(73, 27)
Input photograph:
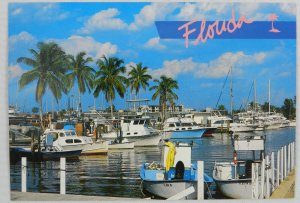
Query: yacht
point(177, 128)
point(66, 139)
point(137, 130)
point(224, 123)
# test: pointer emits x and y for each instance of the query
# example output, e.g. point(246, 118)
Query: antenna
point(254, 85)
point(269, 96)
point(231, 95)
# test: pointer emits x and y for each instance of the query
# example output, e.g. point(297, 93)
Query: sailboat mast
point(269, 96)
point(254, 84)
point(231, 96)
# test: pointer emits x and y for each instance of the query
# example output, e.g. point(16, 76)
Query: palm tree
point(82, 74)
point(109, 79)
point(48, 64)
point(138, 78)
point(272, 18)
point(164, 90)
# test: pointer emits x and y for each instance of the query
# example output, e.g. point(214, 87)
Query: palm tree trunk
point(79, 103)
point(111, 107)
point(41, 115)
point(134, 107)
point(163, 112)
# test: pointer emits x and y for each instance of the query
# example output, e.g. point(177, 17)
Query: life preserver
point(234, 157)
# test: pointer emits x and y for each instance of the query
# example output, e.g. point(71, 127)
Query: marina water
point(117, 174)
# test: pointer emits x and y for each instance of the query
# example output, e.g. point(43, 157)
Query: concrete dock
point(33, 196)
point(286, 189)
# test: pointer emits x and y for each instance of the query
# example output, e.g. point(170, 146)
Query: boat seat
point(179, 170)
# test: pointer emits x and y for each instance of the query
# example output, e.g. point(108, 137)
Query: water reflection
point(117, 174)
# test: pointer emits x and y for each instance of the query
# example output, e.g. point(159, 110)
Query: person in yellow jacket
point(171, 155)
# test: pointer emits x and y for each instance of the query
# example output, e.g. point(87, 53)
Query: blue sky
point(127, 31)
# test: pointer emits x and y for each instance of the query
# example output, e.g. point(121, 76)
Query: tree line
point(288, 109)
point(56, 71)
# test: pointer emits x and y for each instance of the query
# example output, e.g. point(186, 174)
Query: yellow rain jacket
point(171, 155)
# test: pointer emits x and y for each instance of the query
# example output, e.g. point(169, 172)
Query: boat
point(242, 127)
point(120, 144)
point(182, 128)
point(293, 123)
point(46, 153)
point(66, 139)
point(234, 179)
point(137, 130)
point(226, 124)
point(168, 178)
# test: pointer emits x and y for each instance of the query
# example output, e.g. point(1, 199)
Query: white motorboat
point(117, 144)
point(242, 127)
point(137, 130)
point(180, 128)
point(66, 140)
point(234, 179)
point(224, 123)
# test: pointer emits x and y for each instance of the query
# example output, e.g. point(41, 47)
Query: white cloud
point(174, 68)
point(289, 8)
point(17, 11)
point(191, 11)
point(104, 20)
point(284, 74)
point(154, 43)
point(75, 44)
point(51, 12)
point(128, 67)
point(14, 71)
point(39, 12)
point(148, 14)
point(215, 68)
point(219, 67)
point(21, 37)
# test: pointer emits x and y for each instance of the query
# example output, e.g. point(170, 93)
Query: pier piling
point(272, 172)
point(267, 177)
point(24, 174)
point(278, 168)
point(281, 164)
point(63, 175)
point(200, 185)
point(262, 168)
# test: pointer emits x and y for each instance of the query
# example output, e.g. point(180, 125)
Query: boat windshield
point(70, 133)
point(177, 124)
point(186, 124)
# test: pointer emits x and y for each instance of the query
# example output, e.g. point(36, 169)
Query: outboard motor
point(179, 170)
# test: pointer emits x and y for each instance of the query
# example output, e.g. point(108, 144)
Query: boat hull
point(188, 134)
point(146, 140)
point(95, 148)
point(126, 145)
point(236, 189)
point(56, 155)
point(167, 189)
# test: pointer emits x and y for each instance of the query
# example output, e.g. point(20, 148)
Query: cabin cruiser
point(224, 123)
point(234, 179)
point(177, 128)
point(173, 174)
point(66, 139)
point(137, 130)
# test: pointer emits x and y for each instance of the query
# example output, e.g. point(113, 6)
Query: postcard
point(123, 100)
